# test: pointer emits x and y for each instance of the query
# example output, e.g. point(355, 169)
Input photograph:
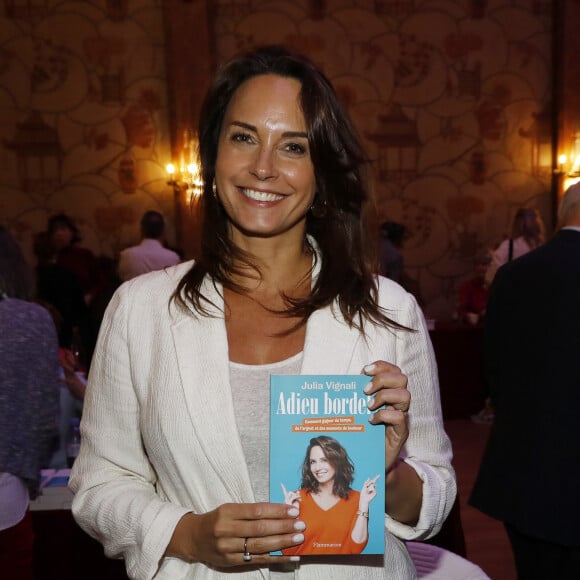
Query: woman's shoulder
point(158, 280)
point(150, 290)
point(521, 246)
point(28, 318)
point(26, 309)
point(391, 294)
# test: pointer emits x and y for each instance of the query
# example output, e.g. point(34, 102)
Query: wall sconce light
point(569, 164)
point(185, 179)
point(185, 176)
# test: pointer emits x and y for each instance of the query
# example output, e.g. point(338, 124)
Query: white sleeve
point(428, 448)
point(114, 484)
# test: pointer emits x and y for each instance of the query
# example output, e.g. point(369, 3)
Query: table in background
point(62, 550)
point(459, 352)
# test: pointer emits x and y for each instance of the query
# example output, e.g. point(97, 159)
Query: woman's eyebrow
point(286, 134)
point(294, 134)
point(244, 126)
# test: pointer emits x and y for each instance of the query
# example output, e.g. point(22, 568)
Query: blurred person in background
point(529, 473)
point(150, 254)
point(527, 234)
point(58, 288)
point(474, 291)
point(391, 258)
point(28, 405)
point(64, 237)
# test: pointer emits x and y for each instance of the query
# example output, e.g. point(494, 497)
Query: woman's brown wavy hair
point(337, 456)
point(345, 244)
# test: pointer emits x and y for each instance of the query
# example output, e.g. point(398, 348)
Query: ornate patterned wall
point(83, 116)
point(452, 99)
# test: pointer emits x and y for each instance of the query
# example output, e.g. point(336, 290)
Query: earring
point(214, 188)
point(318, 209)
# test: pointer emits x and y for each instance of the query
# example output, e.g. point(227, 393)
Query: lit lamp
point(185, 179)
point(188, 178)
point(569, 165)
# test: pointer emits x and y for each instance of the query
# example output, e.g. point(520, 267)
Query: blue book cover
point(329, 461)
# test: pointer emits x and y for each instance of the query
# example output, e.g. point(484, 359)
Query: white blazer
point(159, 436)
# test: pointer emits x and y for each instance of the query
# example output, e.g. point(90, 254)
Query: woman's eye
point(296, 148)
point(241, 137)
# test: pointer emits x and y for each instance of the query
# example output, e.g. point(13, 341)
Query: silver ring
point(246, 555)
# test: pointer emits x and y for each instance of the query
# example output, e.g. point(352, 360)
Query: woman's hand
point(218, 537)
point(367, 493)
point(291, 497)
point(391, 403)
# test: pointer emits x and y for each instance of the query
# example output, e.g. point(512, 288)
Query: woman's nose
point(264, 166)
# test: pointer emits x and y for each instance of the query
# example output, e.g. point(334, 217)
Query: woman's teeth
point(261, 195)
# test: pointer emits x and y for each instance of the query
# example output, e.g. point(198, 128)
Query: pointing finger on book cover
point(291, 497)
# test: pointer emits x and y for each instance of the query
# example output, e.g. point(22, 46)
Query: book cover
point(328, 460)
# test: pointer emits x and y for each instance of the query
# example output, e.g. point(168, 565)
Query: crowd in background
point(50, 314)
point(55, 308)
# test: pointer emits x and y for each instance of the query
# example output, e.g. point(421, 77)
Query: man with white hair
point(530, 471)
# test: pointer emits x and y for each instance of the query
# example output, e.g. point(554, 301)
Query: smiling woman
point(336, 516)
point(173, 469)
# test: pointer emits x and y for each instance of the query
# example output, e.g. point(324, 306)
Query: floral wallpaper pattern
point(451, 97)
point(83, 118)
point(446, 95)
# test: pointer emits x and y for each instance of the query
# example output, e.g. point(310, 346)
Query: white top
point(148, 256)
point(251, 395)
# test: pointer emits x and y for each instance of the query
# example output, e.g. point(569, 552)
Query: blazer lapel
point(329, 344)
point(202, 353)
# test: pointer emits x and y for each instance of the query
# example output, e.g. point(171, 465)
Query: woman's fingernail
point(298, 538)
point(367, 388)
point(293, 512)
point(299, 526)
point(369, 368)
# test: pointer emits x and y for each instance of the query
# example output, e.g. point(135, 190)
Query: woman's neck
point(283, 272)
point(326, 488)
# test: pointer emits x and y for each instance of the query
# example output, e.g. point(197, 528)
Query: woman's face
point(321, 468)
point(62, 236)
point(264, 174)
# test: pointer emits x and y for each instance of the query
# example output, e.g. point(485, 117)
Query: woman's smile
point(261, 196)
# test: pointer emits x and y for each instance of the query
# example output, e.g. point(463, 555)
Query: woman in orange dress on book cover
point(336, 516)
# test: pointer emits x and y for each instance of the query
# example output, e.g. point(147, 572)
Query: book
point(328, 460)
